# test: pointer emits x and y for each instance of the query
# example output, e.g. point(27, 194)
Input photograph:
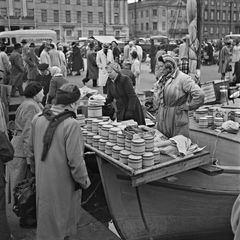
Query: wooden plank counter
point(168, 168)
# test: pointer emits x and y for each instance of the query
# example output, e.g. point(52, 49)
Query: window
point(218, 3)
point(68, 16)
point(100, 32)
point(141, 14)
point(205, 15)
point(234, 16)
point(79, 15)
point(218, 15)
point(43, 1)
point(67, 1)
point(3, 12)
point(17, 12)
point(224, 4)
point(90, 33)
point(147, 26)
point(155, 25)
point(206, 2)
point(44, 15)
point(90, 17)
point(211, 30)
point(100, 3)
point(78, 2)
point(147, 13)
point(141, 26)
point(116, 18)
point(212, 3)
point(223, 30)
point(217, 30)
point(58, 33)
point(69, 32)
point(100, 17)
point(164, 12)
point(117, 34)
point(55, 1)
point(56, 16)
point(89, 2)
point(180, 13)
point(234, 5)
point(164, 26)
point(154, 12)
point(172, 13)
point(212, 15)
point(116, 4)
point(224, 16)
point(30, 12)
point(79, 33)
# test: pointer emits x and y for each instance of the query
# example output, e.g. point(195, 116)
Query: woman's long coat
point(224, 59)
point(92, 67)
point(127, 102)
point(58, 203)
point(77, 61)
point(17, 69)
point(32, 62)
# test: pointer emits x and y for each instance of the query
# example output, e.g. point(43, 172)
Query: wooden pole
point(199, 31)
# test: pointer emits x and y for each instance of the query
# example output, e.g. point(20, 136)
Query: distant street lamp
point(230, 16)
point(104, 18)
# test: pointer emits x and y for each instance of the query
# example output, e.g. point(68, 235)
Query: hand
point(183, 107)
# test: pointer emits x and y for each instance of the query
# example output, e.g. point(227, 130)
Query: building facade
point(220, 17)
point(71, 19)
point(158, 17)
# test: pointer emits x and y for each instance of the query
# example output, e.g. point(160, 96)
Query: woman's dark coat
point(92, 67)
point(77, 61)
point(127, 102)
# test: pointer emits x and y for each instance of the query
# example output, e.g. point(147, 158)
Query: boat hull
point(190, 205)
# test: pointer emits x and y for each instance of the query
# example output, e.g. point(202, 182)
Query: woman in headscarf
point(56, 82)
point(175, 93)
point(120, 88)
point(17, 168)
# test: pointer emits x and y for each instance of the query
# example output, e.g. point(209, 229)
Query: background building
point(158, 17)
point(69, 18)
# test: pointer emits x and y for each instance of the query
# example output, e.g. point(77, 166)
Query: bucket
point(94, 111)
point(95, 140)
point(123, 157)
point(138, 146)
point(147, 159)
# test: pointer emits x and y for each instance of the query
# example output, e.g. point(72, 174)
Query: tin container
point(200, 113)
point(94, 111)
point(218, 121)
point(101, 144)
point(100, 124)
point(157, 156)
point(113, 134)
point(116, 152)
point(147, 159)
point(105, 118)
point(95, 123)
point(203, 122)
point(135, 162)
point(138, 146)
point(95, 141)
point(108, 148)
point(210, 120)
point(81, 119)
point(105, 131)
point(89, 123)
point(128, 143)
point(149, 143)
point(84, 133)
point(223, 94)
point(90, 138)
point(123, 156)
point(120, 139)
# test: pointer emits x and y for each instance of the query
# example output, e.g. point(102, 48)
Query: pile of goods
point(216, 117)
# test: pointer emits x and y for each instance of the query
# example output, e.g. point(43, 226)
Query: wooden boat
point(188, 205)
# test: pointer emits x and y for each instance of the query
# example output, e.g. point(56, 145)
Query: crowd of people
point(55, 155)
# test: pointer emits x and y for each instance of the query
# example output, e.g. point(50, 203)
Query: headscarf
point(56, 71)
point(115, 66)
point(32, 89)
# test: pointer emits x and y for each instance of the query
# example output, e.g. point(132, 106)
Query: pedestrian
point(44, 78)
point(63, 66)
point(126, 70)
point(152, 55)
point(104, 56)
point(54, 56)
point(184, 55)
point(57, 152)
point(56, 82)
point(116, 51)
point(44, 56)
point(17, 70)
point(17, 168)
point(171, 96)
point(135, 68)
point(41, 48)
point(32, 62)
point(139, 51)
point(126, 54)
point(92, 68)
point(225, 58)
point(121, 89)
point(236, 60)
point(77, 61)
point(4, 65)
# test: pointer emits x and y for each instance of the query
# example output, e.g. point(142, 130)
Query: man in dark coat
point(152, 55)
point(121, 89)
point(126, 70)
point(92, 68)
point(77, 61)
point(17, 70)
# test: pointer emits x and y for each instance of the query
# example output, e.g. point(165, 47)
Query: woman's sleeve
point(75, 153)
point(196, 93)
point(110, 97)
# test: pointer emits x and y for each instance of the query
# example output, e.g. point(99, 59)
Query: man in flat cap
point(17, 70)
point(57, 151)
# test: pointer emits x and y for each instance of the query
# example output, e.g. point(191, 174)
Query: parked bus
point(9, 38)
